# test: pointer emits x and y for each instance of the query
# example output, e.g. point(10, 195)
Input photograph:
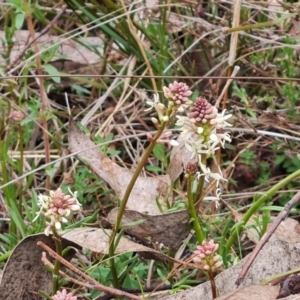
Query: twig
point(283, 214)
point(92, 286)
point(44, 100)
point(235, 71)
point(92, 282)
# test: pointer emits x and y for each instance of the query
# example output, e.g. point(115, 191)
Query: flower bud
point(16, 116)
point(202, 111)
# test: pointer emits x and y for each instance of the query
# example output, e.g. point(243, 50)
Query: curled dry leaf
point(180, 157)
point(169, 229)
point(145, 191)
point(97, 240)
point(24, 273)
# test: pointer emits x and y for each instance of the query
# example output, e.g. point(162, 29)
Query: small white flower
point(208, 174)
point(174, 143)
point(43, 204)
point(153, 103)
point(195, 145)
point(157, 105)
point(219, 138)
point(220, 120)
point(216, 198)
point(181, 121)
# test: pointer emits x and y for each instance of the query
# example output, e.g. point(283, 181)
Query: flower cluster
point(178, 95)
point(203, 131)
point(63, 295)
point(56, 208)
point(206, 256)
point(200, 129)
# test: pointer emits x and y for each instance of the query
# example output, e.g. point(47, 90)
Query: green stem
point(5, 256)
point(257, 204)
point(192, 210)
point(124, 201)
point(58, 246)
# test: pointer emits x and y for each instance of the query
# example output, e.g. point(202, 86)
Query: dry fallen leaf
point(145, 191)
point(97, 240)
point(275, 258)
point(288, 231)
point(253, 292)
point(170, 229)
point(24, 273)
point(71, 49)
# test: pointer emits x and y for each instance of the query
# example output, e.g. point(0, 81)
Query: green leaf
point(159, 151)
point(131, 224)
point(154, 169)
point(17, 218)
point(112, 153)
point(20, 17)
point(80, 90)
point(279, 159)
point(87, 220)
point(52, 71)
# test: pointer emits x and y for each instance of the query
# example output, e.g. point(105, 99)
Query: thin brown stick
point(44, 100)
point(283, 214)
point(61, 273)
point(91, 281)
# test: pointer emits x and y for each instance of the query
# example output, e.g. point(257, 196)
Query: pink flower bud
point(16, 116)
point(202, 111)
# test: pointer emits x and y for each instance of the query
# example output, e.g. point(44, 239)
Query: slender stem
point(58, 246)
point(260, 25)
point(21, 167)
point(213, 284)
point(192, 210)
point(125, 200)
point(257, 204)
point(200, 183)
point(112, 263)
